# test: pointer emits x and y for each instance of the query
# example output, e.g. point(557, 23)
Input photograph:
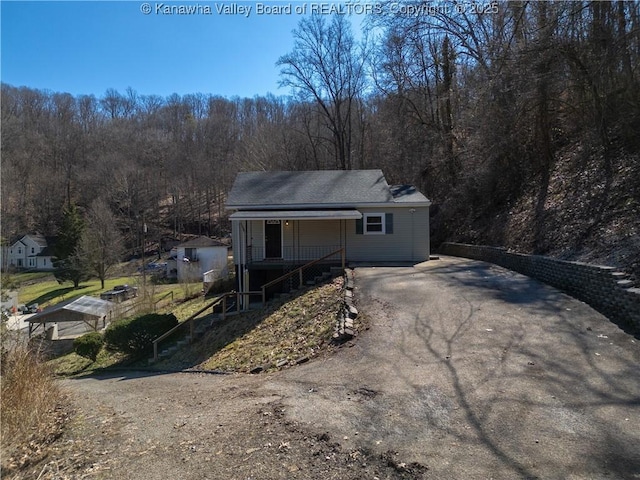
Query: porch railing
point(291, 254)
point(300, 272)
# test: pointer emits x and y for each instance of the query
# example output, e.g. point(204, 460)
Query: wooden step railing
point(156, 302)
point(220, 299)
point(299, 271)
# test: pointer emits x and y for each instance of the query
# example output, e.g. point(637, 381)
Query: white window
point(374, 224)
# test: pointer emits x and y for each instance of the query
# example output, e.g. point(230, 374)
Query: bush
point(89, 345)
point(136, 335)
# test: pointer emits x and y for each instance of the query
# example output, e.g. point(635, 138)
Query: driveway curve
point(467, 369)
point(479, 372)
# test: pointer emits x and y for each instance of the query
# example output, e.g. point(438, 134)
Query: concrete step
point(168, 352)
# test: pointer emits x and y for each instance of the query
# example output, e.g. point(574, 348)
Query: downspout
point(343, 235)
point(413, 250)
point(245, 272)
point(242, 255)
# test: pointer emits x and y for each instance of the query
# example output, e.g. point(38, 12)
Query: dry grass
point(32, 405)
point(272, 338)
point(73, 364)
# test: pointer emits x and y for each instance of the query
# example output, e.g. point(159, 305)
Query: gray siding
point(408, 242)
point(317, 233)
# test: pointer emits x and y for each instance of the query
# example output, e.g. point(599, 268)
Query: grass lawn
point(48, 291)
point(74, 364)
point(278, 335)
point(42, 288)
point(29, 277)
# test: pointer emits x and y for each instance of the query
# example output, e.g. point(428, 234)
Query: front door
point(272, 239)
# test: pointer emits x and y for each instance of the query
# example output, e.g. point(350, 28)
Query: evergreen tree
point(68, 263)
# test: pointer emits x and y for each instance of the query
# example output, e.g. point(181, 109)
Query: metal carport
point(89, 310)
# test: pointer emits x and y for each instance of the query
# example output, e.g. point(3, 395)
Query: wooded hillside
point(519, 120)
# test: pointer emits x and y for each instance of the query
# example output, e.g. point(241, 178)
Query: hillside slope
point(587, 210)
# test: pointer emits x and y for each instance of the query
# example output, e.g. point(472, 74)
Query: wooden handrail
point(221, 298)
point(189, 321)
point(128, 309)
point(155, 304)
point(299, 271)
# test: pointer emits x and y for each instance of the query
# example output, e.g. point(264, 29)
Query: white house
point(31, 251)
point(199, 256)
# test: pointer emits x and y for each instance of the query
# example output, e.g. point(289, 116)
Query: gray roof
point(39, 239)
point(406, 194)
point(322, 188)
point(46, 252)
point(343, 214)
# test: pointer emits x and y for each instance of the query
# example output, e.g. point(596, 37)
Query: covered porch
point(270, 239)
point(272, 243)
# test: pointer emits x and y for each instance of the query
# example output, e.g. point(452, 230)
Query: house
point(199, 256)
point(284, 219)
point(31, 251)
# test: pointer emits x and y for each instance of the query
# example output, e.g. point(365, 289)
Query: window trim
point(365, 224)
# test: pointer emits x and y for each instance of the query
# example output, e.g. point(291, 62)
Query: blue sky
point(86, 47)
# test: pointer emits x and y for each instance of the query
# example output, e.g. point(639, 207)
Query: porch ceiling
point(350, 214)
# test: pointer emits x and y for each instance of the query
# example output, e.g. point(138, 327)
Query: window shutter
point(388, 221)
point(359, 226)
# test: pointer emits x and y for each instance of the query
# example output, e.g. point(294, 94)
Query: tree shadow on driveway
point(513, 378)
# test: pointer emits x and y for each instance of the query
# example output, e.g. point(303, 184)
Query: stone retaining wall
point(604, 288)
point(344, 328)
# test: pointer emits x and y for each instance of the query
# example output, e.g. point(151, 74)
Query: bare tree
point(326, 66)
point(101, 244)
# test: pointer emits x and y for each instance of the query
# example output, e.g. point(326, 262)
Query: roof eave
point(307, 206)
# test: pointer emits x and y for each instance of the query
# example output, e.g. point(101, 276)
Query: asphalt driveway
point(467, 371)
point(478, 372)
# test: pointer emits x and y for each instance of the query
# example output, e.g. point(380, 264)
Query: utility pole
point(144, 267)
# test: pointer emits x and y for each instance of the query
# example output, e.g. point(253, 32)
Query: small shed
point(89, 310)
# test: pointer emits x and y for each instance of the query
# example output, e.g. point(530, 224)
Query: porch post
point(242, 259)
